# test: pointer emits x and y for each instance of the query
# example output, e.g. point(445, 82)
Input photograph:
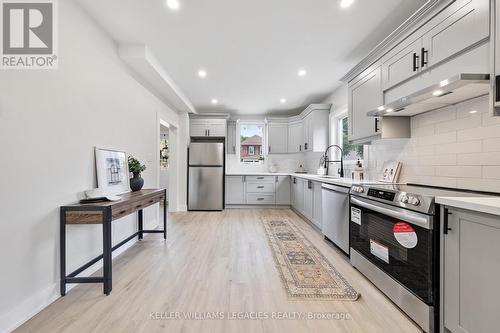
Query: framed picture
point(112, 171)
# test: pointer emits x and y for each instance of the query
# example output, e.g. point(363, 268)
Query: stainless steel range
point(394, 242)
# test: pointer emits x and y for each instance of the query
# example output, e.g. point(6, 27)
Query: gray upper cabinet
point(470, 271)
point(402, 63)
point(231, 137)
point(277, 138)
point(365, 94)
point(207, 127)
point(295, 137)
point(316, 130)
point(459, 26)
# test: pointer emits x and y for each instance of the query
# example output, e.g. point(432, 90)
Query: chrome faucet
point(327, 162)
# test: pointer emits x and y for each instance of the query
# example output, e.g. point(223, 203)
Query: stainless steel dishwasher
point(336, 215)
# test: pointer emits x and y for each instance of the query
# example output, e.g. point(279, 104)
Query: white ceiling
point(252, 50)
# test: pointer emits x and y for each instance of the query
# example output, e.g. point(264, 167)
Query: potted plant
point(134, 166)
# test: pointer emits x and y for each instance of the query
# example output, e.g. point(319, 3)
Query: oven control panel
point(409, 199)
point(384, 195)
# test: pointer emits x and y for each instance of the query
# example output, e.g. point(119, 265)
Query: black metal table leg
point(165, 216)
point(62, 244)
point(140, 223)
point(107, 251)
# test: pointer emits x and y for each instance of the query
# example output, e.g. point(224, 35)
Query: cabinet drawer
point(260, 187)
point(260, 199)
point(260, 179)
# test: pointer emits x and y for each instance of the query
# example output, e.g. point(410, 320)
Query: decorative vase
point(137, 182)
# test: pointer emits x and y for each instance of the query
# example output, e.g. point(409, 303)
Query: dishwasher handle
point(335, 188)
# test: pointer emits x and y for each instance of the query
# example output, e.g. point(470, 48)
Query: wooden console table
point(104, 213)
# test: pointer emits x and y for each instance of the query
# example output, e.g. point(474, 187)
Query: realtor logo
point(28, 34)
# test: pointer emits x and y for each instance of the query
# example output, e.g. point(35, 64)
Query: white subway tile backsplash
point(423, 131)
point(491, 145)
point(491, 172)
point(450, 147)
point(475, 146)
point(431, 118)
point(488, 185)
point(437, 139)
point(479, 159)
point(459, 171)
point(459, 124)
point(480, 132)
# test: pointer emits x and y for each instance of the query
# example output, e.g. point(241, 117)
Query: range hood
point(454, 90)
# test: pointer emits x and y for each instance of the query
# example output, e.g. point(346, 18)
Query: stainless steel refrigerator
point(206, 175)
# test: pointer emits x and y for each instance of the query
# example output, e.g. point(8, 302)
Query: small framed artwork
point(390, 172)
point(112, 171)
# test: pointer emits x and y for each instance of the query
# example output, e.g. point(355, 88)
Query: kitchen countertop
point(345, 182)
point(487, 204)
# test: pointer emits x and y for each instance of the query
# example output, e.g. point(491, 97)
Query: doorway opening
point(164, 155)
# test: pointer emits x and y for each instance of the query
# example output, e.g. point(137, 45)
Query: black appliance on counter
point(394, 242)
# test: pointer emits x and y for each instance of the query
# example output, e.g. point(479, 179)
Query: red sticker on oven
point(405, 235)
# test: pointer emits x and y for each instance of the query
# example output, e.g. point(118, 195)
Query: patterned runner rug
point(305, 272)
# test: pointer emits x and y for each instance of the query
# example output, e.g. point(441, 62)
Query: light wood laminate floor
point(213, 262)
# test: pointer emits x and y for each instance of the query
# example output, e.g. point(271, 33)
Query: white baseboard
point(37, 302)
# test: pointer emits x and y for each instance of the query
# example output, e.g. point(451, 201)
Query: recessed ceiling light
point(202, 73)
point(173, 4)
point(214, 101)
point(473, 111)
point(346, 3)
point(389, 110)
point(283, 100)
point(381, 108)
point(437, 93)
point(302, 72)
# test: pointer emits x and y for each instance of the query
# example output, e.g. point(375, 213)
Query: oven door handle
point(405, 215)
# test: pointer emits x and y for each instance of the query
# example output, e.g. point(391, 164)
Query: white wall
point(50, 122)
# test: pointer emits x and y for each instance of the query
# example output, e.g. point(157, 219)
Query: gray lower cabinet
point(317, 217)
point(282, 187)
point(235, 190)
point(470, 272)
point(257, 190)
point(298, 194)
point(306, 199)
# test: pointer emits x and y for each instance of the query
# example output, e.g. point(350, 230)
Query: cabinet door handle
point(294, 180)
point(260, 186)
point(300, 147)
point(415, 62)
point(305, 146)
point(276, 179)
point(376, 125)
point(208, 132)
point(260, 177)
point(424, 55)
point(269, 148)
point(260, 199)
point(446, 214)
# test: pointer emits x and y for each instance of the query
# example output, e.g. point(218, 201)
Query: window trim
point(336, 137)
point(239, 124)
